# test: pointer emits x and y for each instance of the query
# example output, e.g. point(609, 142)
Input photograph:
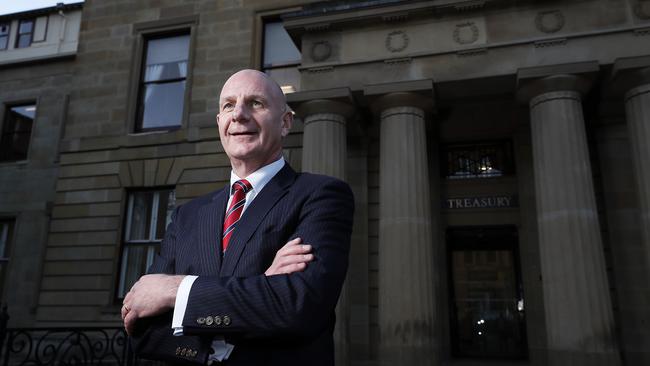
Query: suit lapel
point(274, 190)
point(210, 227)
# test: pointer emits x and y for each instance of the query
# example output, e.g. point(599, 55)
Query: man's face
point(252, 119)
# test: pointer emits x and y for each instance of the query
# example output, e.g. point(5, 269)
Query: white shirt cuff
point(182, 295)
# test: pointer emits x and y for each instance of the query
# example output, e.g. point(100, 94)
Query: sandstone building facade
point(496, 149)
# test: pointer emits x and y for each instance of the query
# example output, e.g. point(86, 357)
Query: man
point(253, 299)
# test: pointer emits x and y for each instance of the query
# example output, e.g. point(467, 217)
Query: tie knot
point(241, 185)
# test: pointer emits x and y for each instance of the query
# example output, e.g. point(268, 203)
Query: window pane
point(6, 234)
point(139, 247)
point(163, 104)
point(26, 27)
point(4, 29)
point(165, 208)
point(135, 261)
point(140, 220)
point(279, 49)
point(16, 132)
point(167, 58)
point(24, 40)
point(4, 42)
point(168, 50)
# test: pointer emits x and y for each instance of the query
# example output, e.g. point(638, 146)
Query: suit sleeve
point(154, 337)
point(299, 304)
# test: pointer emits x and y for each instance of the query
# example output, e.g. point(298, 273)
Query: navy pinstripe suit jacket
point(277, 320)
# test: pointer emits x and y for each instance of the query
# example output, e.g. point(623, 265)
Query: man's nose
point(240, 112)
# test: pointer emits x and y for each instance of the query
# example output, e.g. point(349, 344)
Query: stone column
point(406, 261)
point(324, 151)
point(324, 146)
point(578, 308)
point(637, 108)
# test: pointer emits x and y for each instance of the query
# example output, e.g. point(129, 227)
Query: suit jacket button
point(200, 321)
point(209, 320)
point(217, 320)
point(226, 320)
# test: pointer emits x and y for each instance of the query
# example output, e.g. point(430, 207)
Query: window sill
point(14, 163)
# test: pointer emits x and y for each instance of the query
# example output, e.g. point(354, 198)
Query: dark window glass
point(4, 35)
point(487, 300)
point(6, 235)
point(480, 160)
point(16, 132)
point(281, 57)
point(162, 89)
point(148, 214)
point(25, 33)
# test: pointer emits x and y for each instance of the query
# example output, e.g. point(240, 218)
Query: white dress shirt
point(258, 179)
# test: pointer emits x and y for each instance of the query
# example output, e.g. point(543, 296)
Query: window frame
point(6, 256)
point(143, 32)
point(4, 110)
point(504, 145)
point(31, 34)
point(261, 18)
point(8, 25)
point(152, 241)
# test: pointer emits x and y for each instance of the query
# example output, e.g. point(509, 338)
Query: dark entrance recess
point(486, 295)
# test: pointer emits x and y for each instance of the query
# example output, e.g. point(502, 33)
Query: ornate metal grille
point(483, 160)
point(67, 346)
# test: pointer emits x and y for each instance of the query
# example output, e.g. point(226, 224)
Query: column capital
point(534, 81)
point(419, 94)
point(629, 74)
point(336, 101)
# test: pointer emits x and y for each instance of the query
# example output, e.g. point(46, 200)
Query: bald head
point(254, 77)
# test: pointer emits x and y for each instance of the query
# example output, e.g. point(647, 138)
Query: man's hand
point(151, 295)
point(292, 257)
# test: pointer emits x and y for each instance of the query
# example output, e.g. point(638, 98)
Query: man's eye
point(227, 107)
point(257, 104)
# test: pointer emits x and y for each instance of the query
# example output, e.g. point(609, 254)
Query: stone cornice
point(418, 93)
point(534, 81)
point(629, 73)
point(336, 100)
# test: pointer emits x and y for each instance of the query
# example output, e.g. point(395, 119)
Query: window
point(281, 57)
point(16, 132)
point(25, 33)
point(6, 234)
point(479, 160)
point(148, 214)
point(487, 303)
point(4, 35)
point(163, 78)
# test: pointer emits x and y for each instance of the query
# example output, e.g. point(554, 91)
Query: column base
point(407, 355)
point(580, 358)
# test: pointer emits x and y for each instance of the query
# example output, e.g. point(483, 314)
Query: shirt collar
point(259, 178)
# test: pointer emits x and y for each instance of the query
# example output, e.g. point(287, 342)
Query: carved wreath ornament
point(549, 21)
point(397, 41)
point(466, 33)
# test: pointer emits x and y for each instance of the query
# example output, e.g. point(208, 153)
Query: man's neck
point(245, 168)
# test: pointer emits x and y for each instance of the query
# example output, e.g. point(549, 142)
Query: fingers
point(129, 322)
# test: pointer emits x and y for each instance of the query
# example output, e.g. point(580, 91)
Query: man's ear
point(287, 122)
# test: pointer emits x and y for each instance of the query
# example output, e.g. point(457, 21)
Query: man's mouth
point(242, 133)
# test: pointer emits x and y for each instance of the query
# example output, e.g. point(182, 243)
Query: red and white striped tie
point(239, 190)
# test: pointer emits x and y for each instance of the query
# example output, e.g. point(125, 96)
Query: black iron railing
point(66, 346)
